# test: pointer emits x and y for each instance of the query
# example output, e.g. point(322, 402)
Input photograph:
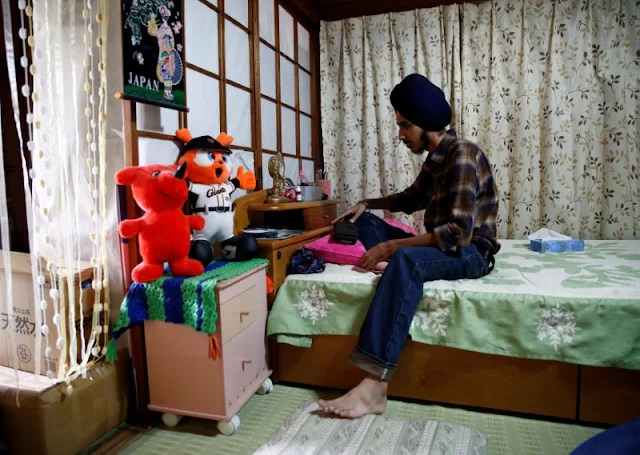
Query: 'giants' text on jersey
point(213, 196)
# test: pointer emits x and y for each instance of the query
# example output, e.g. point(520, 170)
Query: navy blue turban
point(421, 103)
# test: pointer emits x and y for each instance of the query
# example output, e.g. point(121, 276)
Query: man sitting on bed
point(457, 191)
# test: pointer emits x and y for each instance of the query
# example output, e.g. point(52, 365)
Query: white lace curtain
point(71, 207)
point(549, 90)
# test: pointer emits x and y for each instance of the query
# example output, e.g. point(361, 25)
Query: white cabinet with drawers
point(183, 380)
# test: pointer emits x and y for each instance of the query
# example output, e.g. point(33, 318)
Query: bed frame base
point(471, 379)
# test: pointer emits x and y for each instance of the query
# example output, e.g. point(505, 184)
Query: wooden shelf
point(266, 207)
point(275, 244)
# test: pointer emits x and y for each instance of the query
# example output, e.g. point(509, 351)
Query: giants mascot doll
point(209, 170)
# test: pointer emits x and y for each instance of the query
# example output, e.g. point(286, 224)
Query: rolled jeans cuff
point(371, 366)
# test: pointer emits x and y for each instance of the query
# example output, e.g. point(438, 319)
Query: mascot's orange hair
point(224, 139)
point(185, 136)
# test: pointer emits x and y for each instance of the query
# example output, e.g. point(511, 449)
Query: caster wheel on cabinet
point(266, 387)
point(230, 427)
point(171, 420)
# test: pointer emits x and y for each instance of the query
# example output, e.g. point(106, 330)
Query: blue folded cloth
point(303, 262)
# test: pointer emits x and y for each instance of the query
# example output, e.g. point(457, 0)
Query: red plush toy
point(165, 231)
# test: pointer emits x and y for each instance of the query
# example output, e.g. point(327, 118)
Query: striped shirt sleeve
point(456, 229)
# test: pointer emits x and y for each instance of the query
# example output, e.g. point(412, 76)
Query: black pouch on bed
point(346, 232)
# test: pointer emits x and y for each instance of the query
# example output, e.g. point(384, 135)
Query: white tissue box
point(556, 246)
point(547, 241)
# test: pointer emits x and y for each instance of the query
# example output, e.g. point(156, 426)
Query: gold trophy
point(276, 171)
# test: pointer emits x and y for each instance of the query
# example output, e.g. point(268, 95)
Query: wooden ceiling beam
point(357, 8)
point(305, 11)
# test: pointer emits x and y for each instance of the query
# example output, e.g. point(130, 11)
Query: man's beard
point(424, 141)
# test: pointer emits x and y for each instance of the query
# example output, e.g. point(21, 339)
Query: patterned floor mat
point(311, 431)
point(262, 416)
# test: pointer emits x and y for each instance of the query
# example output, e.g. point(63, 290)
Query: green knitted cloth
point(179, 300)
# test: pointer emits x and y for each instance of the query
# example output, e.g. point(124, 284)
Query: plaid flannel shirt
point(457, 191)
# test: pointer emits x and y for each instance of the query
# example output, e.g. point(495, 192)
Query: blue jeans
point(619, 440)
point(372, 230)
point(399, 292)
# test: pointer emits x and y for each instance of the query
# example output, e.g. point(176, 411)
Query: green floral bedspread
point(581, 308)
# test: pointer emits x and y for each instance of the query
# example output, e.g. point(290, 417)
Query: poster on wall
point(153, 52)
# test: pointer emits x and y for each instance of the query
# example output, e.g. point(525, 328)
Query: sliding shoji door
point(249, 74)
point(285, 91)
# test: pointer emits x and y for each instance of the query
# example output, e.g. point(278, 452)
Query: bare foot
point(368, 397)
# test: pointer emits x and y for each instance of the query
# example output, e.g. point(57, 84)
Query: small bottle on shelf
point(303, 179)
point(298, 194)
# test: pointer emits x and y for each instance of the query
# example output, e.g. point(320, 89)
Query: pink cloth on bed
point(338, 253)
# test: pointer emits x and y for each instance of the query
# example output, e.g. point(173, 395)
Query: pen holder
point(326, 186)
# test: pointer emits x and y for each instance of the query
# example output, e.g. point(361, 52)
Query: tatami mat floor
point(263, 414)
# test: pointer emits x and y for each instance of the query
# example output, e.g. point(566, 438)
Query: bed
point(550, 334)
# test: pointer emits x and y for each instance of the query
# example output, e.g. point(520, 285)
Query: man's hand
point(379, 253)
point(356, 211)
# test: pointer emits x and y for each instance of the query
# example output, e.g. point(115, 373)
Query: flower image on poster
point(152, 52)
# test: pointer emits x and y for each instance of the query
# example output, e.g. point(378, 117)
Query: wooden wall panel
point(14, 186)
point(609, 395)
point(306, 11)
point(446, 375)
point(333, 10)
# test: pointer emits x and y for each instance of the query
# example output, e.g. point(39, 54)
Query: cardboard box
point(25, 306)
point(556, 246)
point(51, 422)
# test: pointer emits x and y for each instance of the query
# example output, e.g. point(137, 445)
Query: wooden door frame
point(14, 180)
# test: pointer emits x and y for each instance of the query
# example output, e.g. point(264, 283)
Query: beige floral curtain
point(548, 89)
point(361, 61)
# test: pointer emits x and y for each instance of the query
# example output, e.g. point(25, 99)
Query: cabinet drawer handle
point(243, 313)
point(243, 362)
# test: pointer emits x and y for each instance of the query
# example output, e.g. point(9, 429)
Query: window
point(285, 91)
point(249, 73)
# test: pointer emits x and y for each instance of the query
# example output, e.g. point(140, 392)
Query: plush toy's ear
point(127, 175)
point(224, 139)
point(182, 159)
point(184, 135)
